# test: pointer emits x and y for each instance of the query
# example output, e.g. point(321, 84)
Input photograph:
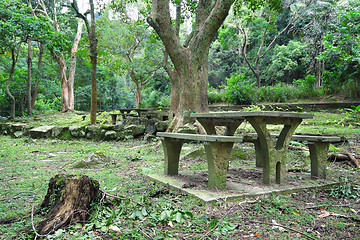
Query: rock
point(133, 121)
point(119, 127)
point(17, 126)
point(188, 128)
point(94, 159)
point(109, 135)
point(161, 126)
point(93, 132)
point(77, 131)
point(107, 127)
point(18, 134)
point(150, 126)
point(61, 132)
point(41, 132)
point(134, 130)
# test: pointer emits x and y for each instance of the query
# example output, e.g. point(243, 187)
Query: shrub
point(46, 106)
point(305, 87)
point(215, 95)
point(155, 99)
point(240, 91)
point(279, 93)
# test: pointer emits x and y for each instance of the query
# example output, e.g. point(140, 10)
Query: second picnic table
point(273, 151)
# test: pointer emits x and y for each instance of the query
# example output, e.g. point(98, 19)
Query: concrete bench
point(318, 148)
point(217, 148)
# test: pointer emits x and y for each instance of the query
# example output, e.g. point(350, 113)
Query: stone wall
point(127, 129)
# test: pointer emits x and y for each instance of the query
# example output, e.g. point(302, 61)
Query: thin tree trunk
point(71, 78)
point(355, 88)
point(29, 64)
point(14, 57)
point(138, 95)
point(36, 88)
point(93, 57)
point(63, 82)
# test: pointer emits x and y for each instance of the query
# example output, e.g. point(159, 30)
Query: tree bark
point(68, 200)
point(91, 30)
point(63, 81)
point(36, 88)
point(29, 65)
point(14, 57)
point(67, 83)
point(93, 59)
point(190, 61)
point(70, 83)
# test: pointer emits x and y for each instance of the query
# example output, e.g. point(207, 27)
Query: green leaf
point(213, 223)
point(178, 217)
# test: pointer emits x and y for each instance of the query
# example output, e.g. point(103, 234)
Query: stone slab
point(252, 114)
point(236, 190)
point(41, 132)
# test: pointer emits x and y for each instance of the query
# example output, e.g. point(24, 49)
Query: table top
point(137, 109)
point(244, 114)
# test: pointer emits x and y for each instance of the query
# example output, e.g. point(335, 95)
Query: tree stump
point(68, 200)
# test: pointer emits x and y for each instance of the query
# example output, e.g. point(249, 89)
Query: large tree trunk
point(190, 94)
point(190, 61)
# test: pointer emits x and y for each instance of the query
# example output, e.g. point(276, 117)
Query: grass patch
point(148, 210)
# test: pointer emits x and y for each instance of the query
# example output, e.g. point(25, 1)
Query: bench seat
point(318, 148)
point(217, 148)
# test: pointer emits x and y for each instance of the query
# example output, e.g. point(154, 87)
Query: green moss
point(66, 135)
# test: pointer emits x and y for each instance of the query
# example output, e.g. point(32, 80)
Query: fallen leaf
point(114, 228)
point(326, 214)
point(281, 229)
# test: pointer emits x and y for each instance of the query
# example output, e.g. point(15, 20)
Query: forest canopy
point(263, 51)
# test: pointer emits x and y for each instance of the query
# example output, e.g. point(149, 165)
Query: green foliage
point(306, 87)
point(157, 92)
point(279, 93)
point(342, 47)
point(354, 113)
point(285, 64)
point(215, 95)
point(346, 189)
point(239, 91)
point(153, 98)
point(42, 105)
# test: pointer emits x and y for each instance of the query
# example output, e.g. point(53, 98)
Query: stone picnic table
point(272, 151)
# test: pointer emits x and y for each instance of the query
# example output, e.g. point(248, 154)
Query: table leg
point(318, 157)
point(113, 119)
point(272, 151)
point(172, 149)
point(218, 154)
